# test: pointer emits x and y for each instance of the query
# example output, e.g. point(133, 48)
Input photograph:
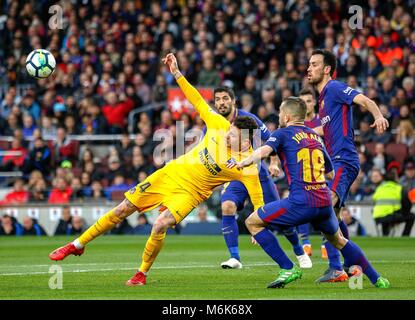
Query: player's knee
point(160, 226)
point(229, 208)
point(253, 222)
point(337, 240)
point(124, 209)
point(163, 222)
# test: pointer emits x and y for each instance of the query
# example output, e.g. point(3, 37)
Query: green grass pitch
point(188, 268)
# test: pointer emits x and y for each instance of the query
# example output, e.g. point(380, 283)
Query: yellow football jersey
point(211, 162)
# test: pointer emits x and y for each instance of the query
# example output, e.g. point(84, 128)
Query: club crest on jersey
point(322, 104)
point(231, 163)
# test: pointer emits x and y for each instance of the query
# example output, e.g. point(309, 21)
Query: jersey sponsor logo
point(208, 161)
point(325, 120)
point(348, 91)
point(231, 163)
point(272, 139)
point(315, 187)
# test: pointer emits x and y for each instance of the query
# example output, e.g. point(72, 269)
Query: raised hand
point(171, 61)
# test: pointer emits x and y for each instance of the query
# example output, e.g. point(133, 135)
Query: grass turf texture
point(188, 268)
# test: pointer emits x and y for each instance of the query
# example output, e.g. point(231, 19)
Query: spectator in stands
point(407, 181)
point(14, 161)
point(97, 193)
point(118, 186)
point(125, 146)
point(30, 105)
point(123, 227)
point(405, 133)
point(48, 130)
point(61, 193)
point(114, 168)
point(77, 190)
point(376, 178)
point(365, 132)
point(208, 75)
point(116, 111)
point(28, 125)
point(10, 226)
point(64, 147)
point(39, 158)
point(78, 225)
point(18, 195)
point(354, 226)
point(32, 228)
point(388, 209)
point(203, 214)
point(87, 156)
point(138, 165)
point(94, 122)
point(381, 160)
point(404, 114)
point(357, 192)
point(39, 192)
point(65, 222)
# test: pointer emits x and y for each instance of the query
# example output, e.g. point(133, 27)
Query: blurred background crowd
point(108, 57)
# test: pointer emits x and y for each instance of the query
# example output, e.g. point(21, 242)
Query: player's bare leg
point(355, 259)
point(289, 271)
point(153, 246)
point(230, 233)
point(102, 225)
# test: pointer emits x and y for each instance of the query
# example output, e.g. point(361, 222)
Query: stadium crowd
point(108, 57)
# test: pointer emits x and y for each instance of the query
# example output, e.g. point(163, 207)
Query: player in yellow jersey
point(183, 183)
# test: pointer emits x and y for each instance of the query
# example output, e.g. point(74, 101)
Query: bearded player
point(234, 193)
point(335, 112)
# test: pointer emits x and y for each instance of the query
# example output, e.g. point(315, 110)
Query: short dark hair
point(228, 90)
point(329, 59)
point(297, 107)
point(245, 122)
point(306, 91)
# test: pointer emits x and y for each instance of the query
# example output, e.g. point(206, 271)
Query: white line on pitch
point(166, 267)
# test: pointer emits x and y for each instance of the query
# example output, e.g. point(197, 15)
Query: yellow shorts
point(161, 190)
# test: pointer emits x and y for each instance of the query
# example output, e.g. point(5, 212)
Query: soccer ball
point(40, 63)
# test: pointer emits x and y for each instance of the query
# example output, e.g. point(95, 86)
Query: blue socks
point(333, 255)
point(270, 245)
point(344, 229)
point(230, 233)
point(292, 236)
point(303, 232)
point(353, 255)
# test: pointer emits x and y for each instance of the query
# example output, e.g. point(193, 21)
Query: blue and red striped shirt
point(305, 162)
point(335, 113)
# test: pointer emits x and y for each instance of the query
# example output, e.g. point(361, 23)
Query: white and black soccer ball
point(40, 63)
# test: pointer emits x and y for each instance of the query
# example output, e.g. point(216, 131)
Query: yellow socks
point(153, 247)
point(103, 224)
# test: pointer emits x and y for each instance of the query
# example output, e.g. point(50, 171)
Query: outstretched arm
point(380, 123)
point(206, 113)
point(256, 156)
